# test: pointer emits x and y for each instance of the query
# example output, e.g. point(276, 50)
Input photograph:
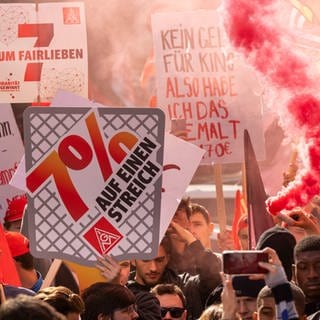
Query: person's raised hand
point(225, 240)
point(228, 297)
point(300, 218)
point(182, 233)
point(276, 274)
point(109, 268)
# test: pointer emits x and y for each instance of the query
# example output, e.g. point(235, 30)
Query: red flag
point(8, 271)
point(258, 217)
point(239, 211)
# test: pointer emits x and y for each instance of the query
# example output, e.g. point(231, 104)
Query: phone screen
point(243, 262)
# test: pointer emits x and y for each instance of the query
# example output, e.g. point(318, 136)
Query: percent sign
point(74, 152)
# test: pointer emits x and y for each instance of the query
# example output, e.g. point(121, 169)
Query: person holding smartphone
point(275, 278)
point(277, 281)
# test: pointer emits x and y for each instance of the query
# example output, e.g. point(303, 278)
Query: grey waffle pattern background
point(50, 214)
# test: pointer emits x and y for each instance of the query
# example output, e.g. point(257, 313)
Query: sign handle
point(221, 210)
point(2, 295)
point(244, 182)
point(51, 273)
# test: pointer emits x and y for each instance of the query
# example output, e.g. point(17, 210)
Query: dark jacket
point(311, 308)
point(12, 291)
point(186, 262)
point(196, 288)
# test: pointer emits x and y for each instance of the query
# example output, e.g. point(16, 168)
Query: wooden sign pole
point(221, 210)
point(51, 273)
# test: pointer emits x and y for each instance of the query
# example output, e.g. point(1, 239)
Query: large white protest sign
point(94, 181)
point(180, 162)
point(43, 47)
point(11, 151)
point(201, 79)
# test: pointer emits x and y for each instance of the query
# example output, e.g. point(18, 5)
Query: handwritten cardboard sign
point(11, 151)
point(94, 181)
point(43, 47)
point(202, 80)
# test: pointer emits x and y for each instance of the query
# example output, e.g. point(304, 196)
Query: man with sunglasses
point(172, 301)
point(149, 273)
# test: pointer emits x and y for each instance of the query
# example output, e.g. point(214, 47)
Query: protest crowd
point(266, 266)
point(186, 280)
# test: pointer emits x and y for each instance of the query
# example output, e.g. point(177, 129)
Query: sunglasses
point(175, 312)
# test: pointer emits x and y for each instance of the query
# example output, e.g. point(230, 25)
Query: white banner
point(43, 48)
point(11, 151)
point(94, 181)
point(201, 79)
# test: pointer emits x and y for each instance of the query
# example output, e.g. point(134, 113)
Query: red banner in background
point(8, 271)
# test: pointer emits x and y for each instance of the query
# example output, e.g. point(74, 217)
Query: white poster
point(180, 162)
point(43, 48)
point(201, 79)
point(11, 151)
point(94, 181)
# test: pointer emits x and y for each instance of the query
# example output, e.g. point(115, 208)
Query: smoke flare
point(252, 30)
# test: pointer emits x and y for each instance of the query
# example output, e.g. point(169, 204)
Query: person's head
point(63, 300)
point(20, 251)
point(124, 271)
point(243, 233)
point(266, 306)
point(283, 242)
point(213, 312)
point(14, 214)
point(108, 301)
point(149, 272)
point(172, 301)
point(307, 267)
point(246, 291)
point(183, 213)
point(200, 224)
point(28, 308)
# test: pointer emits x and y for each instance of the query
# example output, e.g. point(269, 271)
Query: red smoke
point(252, 30)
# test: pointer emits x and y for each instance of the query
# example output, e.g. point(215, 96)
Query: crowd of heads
point(183, 281)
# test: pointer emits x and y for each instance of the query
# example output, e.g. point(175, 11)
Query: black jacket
point(196, 288)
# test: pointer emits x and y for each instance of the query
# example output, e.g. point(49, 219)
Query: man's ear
point(211, 227)
point(294, 278)
point(255, 315)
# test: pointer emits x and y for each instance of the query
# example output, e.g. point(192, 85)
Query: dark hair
point(26, 260)
point(7, 225)
point(169, 288)
point(185, 205)
point(297, 293)
point(198, 208)
point(104, 298)
point(28, 308)
point(62, 299)
point(166, 244)
point(309, 243)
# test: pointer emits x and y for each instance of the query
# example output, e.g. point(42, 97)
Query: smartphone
point(178, 125)
point(243, 262)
